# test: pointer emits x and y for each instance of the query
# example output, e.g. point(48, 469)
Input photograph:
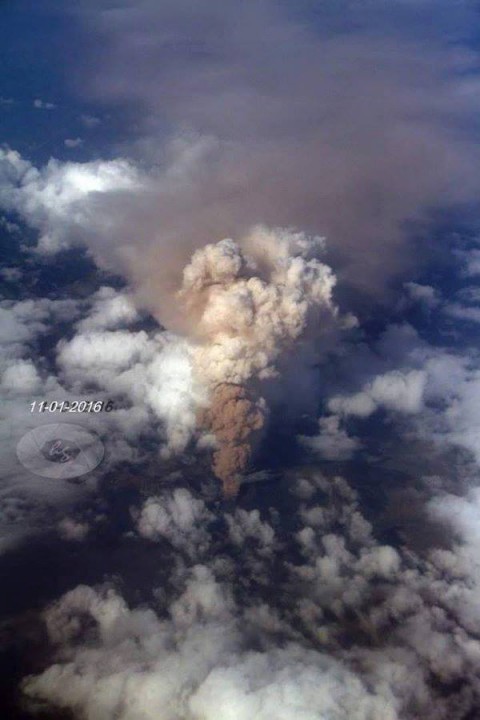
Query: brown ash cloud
point(237, 423)
point(251, 306)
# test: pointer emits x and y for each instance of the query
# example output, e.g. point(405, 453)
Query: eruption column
point(248, 305)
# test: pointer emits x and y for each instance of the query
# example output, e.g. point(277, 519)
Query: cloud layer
point(351, 627)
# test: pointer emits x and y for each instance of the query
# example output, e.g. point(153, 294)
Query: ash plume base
point(237, 420)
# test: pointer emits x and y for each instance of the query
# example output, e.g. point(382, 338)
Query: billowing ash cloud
point(248, 303)
point(247, 307)
point(345, 122)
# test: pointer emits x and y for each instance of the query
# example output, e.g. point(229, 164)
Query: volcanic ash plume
point(237, 422)
point(248, 304)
